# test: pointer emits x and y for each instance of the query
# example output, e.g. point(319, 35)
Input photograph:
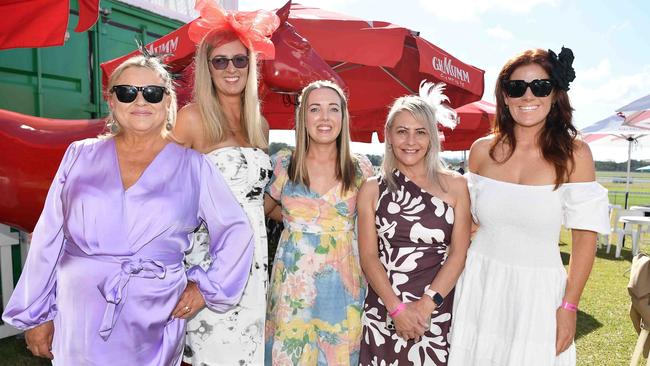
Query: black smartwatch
point(436, 297)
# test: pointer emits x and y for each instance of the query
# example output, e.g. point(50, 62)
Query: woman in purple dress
point(104, 282)
point(414, 228)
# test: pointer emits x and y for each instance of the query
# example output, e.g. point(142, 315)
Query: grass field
point(605, 336)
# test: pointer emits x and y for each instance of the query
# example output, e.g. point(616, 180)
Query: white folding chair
point(605, 239)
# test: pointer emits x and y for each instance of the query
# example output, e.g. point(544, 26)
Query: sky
point(609, 39)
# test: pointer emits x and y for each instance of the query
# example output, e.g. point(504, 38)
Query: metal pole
point(629, 161)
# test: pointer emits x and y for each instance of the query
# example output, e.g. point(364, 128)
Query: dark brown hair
point(558, 135)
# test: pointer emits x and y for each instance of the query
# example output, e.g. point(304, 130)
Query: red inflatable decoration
point(32, 149)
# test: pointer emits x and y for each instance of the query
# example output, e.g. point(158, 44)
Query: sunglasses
point(517, 88)
point(221, 62)
point(150, 93)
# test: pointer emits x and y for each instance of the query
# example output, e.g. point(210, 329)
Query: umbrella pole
point(629, 161)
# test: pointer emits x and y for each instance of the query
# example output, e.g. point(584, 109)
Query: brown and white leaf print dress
point(414, 231)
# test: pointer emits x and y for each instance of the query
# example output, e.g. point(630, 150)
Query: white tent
point(643, 168)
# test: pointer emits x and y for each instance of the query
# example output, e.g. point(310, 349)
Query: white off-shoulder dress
point(514, 281)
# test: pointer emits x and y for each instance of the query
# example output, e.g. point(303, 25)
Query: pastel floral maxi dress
point(316, 293)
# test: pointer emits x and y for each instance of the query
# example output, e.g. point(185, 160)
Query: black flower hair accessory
point(562, 72)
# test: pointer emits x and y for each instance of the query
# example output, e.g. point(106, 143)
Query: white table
point(637, 223)
point(644, 209)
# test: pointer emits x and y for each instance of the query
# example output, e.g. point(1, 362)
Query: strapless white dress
point(514, 279)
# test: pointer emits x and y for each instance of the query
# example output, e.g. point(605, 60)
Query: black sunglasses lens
point(220, 63)
point(125, 93)
point(541, 88)
point(153, 94)
point(240, 61)
point(515, 88)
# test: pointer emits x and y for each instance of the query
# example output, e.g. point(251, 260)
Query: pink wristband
point(569, 306)
point(397, 310)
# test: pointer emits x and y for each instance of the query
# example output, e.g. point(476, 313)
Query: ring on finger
point(187, 309)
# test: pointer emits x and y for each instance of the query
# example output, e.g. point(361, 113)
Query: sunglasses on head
point(150, 93)
point(517, 88)
point(221, 62)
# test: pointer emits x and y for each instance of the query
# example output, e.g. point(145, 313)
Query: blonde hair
point(150, 63)
point(424, 112)
point(205, 95)
point(345, 170)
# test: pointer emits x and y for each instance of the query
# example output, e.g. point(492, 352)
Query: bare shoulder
point(479, 151)
point(188, 129)
point(457, 183)
point(369, 191)
point(189, 115)
point(583, 168)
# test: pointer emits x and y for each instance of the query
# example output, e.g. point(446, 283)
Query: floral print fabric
point(315, 298)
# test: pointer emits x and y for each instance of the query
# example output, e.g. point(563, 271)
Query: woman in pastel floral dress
point(316, 293)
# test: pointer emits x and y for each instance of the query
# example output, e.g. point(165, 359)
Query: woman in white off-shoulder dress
point(515, 304)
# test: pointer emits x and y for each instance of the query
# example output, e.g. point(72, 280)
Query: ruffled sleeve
point(231, 242)
point(33, 301)
point(585, 207)
point(280, 162)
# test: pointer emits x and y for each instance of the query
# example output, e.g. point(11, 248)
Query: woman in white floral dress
point(224, 122)
point(414, 226)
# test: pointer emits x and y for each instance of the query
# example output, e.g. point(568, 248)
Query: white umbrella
point(643, 168)
point(642, 104)
point(619, 128)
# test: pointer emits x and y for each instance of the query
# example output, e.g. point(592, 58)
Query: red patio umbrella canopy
point(475, 119)
point(379, 62)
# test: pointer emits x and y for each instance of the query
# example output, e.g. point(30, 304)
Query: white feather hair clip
point(432, 93)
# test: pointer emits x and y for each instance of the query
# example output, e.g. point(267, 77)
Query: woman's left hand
point(566, 329)
point(190, 303)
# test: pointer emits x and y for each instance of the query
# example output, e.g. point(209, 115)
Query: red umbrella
point(475, 120)
point(379, 62)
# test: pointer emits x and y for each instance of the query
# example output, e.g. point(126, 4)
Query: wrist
point(397, 310)
point(569, 306)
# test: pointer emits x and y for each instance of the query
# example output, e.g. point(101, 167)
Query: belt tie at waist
point(114, 288)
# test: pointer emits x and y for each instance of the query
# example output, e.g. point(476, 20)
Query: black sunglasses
point(221, 62)
point(128, 93)
point(517, 88)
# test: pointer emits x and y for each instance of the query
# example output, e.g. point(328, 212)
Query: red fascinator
point(253, 28)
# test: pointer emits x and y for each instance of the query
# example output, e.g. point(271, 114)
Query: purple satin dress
point(107, 264)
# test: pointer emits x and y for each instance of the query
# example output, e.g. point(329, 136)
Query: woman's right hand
point(409, 323)
point(39, 340)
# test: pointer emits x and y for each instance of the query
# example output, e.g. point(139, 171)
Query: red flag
point(33, 23)
point(88, 14)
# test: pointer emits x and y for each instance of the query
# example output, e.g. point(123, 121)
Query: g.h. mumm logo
point(446, 67)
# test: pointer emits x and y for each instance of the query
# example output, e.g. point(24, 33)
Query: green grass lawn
point(605, 335)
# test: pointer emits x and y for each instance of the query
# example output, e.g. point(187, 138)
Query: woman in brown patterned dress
point(414, 229)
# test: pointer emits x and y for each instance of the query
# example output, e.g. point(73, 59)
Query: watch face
point(436, 297)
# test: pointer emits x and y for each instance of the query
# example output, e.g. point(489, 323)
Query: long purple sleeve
point(231, 243)
point(34, 299)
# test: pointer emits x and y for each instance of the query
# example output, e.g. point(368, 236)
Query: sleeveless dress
point(316, 294)
point(235, 337)
point(514, 280)
point(414, 233)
